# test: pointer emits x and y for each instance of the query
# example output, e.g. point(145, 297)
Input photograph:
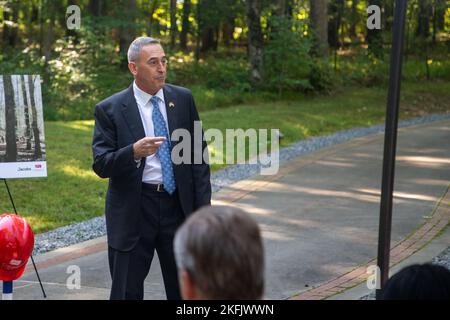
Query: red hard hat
point(16, 246)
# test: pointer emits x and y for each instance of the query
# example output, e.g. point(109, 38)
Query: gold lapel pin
point(171, 104)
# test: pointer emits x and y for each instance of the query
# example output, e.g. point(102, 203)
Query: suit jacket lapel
point(170, 101)
point(132, 116)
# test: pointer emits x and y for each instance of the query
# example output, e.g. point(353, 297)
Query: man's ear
point(132, 67)
point(187, 286)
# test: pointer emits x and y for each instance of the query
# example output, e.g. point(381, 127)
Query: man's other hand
point(147, 146)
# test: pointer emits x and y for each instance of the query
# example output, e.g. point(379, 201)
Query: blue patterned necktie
point(160, 129)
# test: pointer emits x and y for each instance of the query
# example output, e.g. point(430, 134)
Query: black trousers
point(161, 217)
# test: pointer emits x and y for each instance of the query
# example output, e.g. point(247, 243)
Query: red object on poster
point(16, 246)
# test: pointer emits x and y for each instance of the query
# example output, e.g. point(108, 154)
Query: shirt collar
point(143, 97)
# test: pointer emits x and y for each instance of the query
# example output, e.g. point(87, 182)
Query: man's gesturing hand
point(147, 146)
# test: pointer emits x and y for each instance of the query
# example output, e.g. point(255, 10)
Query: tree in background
point(34, 125)
point(423, 19)
point(354, 18)
point(127, 29)
point(10, 118)
point(374, 36)
point(185, 24)
point(82, 66)
point(10, 25)
point(287, 64)
point(335, 13)
point(255, 41)
point(319, 26)
point(208, 24)
point(231, 10)
point(26, 114)
point(173, 23)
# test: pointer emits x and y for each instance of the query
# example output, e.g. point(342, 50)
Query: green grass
point(73, 193)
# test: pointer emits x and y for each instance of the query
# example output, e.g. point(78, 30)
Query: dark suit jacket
point(118, 126)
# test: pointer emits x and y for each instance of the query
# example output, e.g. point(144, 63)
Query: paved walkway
point(319, 217)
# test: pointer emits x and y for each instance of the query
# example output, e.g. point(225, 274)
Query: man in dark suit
point(148, 195)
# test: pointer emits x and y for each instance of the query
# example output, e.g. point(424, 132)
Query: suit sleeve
point(109, 160)
point(200, 172)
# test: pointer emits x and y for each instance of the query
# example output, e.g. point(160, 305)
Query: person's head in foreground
point(418, 282)
point(220, 255)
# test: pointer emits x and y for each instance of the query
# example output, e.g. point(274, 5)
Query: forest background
point(307, 67)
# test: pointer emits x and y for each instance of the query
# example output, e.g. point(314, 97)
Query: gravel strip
point(443, 258)
point(93, 228)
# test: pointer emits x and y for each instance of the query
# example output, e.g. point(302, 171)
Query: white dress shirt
point(152, 170)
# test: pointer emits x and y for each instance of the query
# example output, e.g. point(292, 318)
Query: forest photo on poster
point(22, 143)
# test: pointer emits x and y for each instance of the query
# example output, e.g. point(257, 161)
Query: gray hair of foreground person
point(219, 254)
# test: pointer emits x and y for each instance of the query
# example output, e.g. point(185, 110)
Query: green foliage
point(364, 69)
point(80, 68)
point(225, 73)
point(287, 64)
point(82, 76)
point(321, 76)
point(216, 81)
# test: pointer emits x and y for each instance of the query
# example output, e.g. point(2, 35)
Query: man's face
point(150, 69)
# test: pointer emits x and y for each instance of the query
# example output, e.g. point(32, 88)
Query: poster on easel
point(22, 143)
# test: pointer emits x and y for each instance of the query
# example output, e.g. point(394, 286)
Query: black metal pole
point(32, 260)
point(390, 142)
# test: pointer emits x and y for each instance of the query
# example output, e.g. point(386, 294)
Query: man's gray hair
point(221, 249)
point(137, 45)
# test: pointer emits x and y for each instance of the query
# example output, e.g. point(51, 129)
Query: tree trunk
point(127, 31)
point(10, 33)
point(15, 19)
point(353, 19)
point(388, 15)
point(209, 23)
point(290, 8)
point(229, 9)
point(185, 24)
point(198, 33)
point(41, 19)
point(5, 29)
point(374, 37)
point(49, 37)
point(433, 36)
point(255, 41)
point(95, 7)
point(10, 118)
point(173, 22)
point(280, 8)
point(34, 125)
point(423, 19)
point(335, 10)
point(319, 26)
point(151, 20)
point(441, 7)
point(28, 13)
point(228, 30)
point(27, 114)
point(208, 39)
